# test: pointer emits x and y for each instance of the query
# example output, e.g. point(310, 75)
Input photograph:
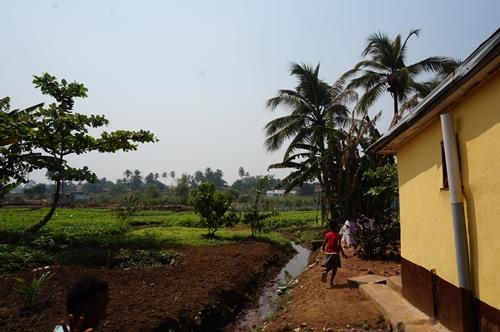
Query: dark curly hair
point(83, 290)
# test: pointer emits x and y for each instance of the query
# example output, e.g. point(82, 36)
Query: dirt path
point(313, 306)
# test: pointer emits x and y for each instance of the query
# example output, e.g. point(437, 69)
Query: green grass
point(67, 225)
point(195, 236)
point(293, 219)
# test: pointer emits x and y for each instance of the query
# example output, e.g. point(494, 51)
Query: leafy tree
point(210, 205)
point(150, 179)
point(183, 188)
point(127, 174)
point(17, 158)
point(58, 131)
point(385, 67)
point(242, 173)
point(136, 182)
point(253, 216)
point(381, 188)
point(209, 175)
point(172, 174)
point(248, 184)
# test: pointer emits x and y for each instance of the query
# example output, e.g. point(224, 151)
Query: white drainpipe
point(458, 215)
point(456, 200)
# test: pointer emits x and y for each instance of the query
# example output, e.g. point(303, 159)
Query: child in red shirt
point(332, 249)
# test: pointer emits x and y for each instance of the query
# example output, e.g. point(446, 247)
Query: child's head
point(333, 226)
point(88, 297)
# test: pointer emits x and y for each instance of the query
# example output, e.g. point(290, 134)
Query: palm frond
point(437, 64)
point(369, 98)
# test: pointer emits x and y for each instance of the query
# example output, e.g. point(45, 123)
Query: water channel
point(266, 304)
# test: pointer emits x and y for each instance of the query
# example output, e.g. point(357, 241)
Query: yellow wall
point(426, 227)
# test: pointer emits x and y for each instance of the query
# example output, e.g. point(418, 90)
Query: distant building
point(279, 193)
point(75, 197)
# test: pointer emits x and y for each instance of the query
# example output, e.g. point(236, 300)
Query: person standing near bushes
point(332, 249)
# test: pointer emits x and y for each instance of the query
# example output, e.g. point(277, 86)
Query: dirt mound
point(202, 293)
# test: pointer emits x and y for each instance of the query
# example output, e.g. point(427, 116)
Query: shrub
point(378, 239)
point(16, 257)
point(129, 206)
point(29, 291)
point(210, 205)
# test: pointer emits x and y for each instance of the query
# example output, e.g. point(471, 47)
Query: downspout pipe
point(458, 219)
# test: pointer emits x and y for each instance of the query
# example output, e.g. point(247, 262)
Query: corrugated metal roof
point(483, 62)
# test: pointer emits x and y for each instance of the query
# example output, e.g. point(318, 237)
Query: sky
point(198, 73)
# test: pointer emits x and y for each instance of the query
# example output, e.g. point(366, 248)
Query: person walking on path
point(332, 249)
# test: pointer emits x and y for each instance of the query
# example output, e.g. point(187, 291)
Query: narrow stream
point(266, 304)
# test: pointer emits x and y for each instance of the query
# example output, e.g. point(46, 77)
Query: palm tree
point(384, 67)
point(316, 112)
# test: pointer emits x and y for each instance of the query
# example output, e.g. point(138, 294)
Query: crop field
point(76, 225)
point(170, 249)
point(72, 233)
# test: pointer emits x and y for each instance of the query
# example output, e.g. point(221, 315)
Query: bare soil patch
point(315, 306)
point(203, 292)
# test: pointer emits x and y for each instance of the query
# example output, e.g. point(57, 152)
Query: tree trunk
point(395, 118)
point(35, 228)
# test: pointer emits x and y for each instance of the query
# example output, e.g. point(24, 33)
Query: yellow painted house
point(448, 156)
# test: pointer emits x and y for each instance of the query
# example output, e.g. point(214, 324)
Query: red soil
point(202, 293)
point(313, 305)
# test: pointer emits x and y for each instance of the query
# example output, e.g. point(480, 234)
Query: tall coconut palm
point(385, 68)
point(316, 111)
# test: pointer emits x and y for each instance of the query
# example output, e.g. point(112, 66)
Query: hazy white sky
point(198, 73)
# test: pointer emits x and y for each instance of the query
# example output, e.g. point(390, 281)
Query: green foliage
point(326, 139)
point(183, 188)
point(29, 290)
point(95, 237)
point(57, 131)
point(128, 258)
point(378, 239)
point(210, 205)
point(70, 226)
point(17, 159)
point(129, 206)
point(385, 68)
point(195, 236)
point(304, 234)
point(16, 257)
point(253, 216)
point(381, 185)
point(209, 175)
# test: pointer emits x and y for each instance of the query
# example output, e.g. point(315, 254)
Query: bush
point(16, 257)
point(129, 206)
point(378, 239)
point(210, 205)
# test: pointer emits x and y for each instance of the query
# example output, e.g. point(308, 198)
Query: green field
point(87, 235)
